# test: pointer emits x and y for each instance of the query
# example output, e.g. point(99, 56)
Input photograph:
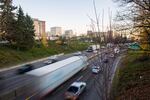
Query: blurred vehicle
point(95, 69)
point(2, 77)
point(95, 51)
point(90, 49)
point(93, 48)
point(77, 53)
point(106, 52)
point(75, 90)
point(105, 60)
point(116, 50)
point(45, 79)
point(111, 55)
point(25, 69)
point(110, 45)
point(50, 61)
point(102, 47)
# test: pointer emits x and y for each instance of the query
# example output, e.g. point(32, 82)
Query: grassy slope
point(9, 57)
point(132, 79)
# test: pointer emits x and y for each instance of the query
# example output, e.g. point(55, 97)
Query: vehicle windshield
point(73, 89)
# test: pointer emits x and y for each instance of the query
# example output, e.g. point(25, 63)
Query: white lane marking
point(80, 78)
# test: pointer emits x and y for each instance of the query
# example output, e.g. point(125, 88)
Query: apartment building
point(39, 27)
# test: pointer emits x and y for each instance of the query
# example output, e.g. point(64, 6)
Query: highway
point(92, 91)
point(12, 73)
point(13, 81)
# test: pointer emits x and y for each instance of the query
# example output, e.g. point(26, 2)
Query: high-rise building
point(56, 31)
point(68, 33)
point(39, 27)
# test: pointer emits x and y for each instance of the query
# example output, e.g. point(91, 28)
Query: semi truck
point(93, 48)
point(43, 80)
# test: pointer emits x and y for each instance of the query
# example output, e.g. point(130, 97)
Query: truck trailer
point(44, 80)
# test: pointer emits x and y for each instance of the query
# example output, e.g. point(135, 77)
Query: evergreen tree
point(19, 36)
point(29, 28)
point(7, 19)
point(24, 31)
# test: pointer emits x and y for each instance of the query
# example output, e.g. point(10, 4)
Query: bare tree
point(135, 16)
point(103, 79)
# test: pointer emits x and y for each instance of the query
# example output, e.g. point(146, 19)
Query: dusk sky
point(68, 14)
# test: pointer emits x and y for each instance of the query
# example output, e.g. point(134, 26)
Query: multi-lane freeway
point(92, 91)
point(12, 80)
point(12, 73)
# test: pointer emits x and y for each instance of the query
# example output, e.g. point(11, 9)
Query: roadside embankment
point(132, 77)
point(10, 57)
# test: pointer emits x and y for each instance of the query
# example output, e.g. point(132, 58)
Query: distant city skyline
point(68, 14)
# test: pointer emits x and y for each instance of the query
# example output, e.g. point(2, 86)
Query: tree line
point(16, 27)
point(135, 16)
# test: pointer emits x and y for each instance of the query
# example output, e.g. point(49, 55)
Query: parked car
point(50, 61)
point(75, 90)
point(25, 69)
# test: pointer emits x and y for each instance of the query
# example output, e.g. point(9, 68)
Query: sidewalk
point(34, 61)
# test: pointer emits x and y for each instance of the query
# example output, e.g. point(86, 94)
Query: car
point(102, 47)
point(112, 55)
point(75, 89)
point(95, 51)
point(105, 60)
point(106, 53)
point(89, 50)
point(50, 61)
point(25, 69)
point(94, 67)
point(77, 53)
point(95, 70)
point(2, 77)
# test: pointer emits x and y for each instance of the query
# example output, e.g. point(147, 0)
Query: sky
point(68, 14)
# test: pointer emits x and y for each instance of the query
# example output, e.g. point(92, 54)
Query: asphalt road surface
point(92, 91)
point(13, 80)
point(12, 73)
